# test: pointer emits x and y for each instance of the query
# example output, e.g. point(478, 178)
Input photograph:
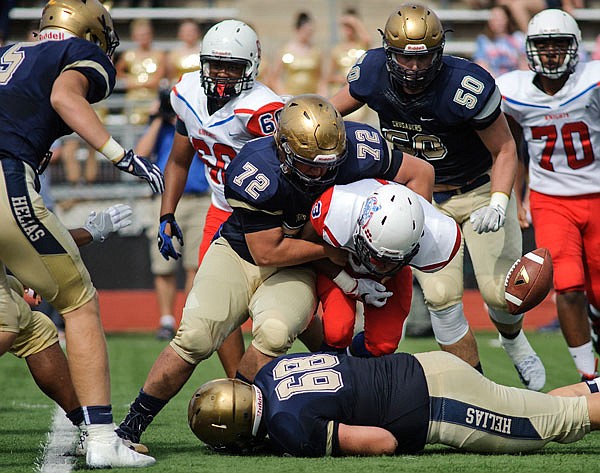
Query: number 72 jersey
point(562, 131)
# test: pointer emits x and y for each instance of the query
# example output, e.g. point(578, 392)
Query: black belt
point(441, 197)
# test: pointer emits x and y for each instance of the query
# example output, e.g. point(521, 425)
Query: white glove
point(108, 221)
point(367, 290)
point(490, 218)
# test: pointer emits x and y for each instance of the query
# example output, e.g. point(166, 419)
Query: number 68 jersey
point(562, 131)
point(218, 138)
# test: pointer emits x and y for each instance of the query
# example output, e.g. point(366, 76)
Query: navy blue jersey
point(263, 198)
point(28, 123)
point(307, 396)
point(439, 124)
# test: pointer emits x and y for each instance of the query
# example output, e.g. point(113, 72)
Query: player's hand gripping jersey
point(263, 198)
point(28, 123)
point(219, 137)
point(438, 125)
point(562, 131)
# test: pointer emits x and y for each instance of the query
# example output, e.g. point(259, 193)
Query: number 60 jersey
point(562, 131)
point(218, 138)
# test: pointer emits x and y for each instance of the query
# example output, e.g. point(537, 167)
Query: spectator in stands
point(186, 57)
point(5, 8)
point(190, 213)
point(141, 69)
point(523, 10)
point(501, 47)
point(596, 51)
point(298, 67)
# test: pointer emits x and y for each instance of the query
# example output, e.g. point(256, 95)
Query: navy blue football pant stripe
point(474, 417)
point(22, 209)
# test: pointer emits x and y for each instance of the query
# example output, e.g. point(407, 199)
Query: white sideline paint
point(60, 441)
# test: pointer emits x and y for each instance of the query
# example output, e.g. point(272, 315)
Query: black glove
point(133, 164)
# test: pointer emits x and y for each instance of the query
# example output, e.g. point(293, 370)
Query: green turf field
point(25, 417)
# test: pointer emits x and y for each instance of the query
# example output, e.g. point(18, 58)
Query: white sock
point(584, 358)
point(518, 348)
point(167, 320)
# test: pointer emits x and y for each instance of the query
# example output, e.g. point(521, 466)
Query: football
point(528, 281)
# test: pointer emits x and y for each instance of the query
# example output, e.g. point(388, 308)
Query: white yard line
point(60, 441)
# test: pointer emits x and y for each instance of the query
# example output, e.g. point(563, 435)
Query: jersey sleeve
point(311, 437)
point(88, 59)
point(360, 78)
point(262, 122)
point(319, 212)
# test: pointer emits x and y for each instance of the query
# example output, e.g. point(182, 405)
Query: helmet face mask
point(311, 141)
point(88, 20)
point(230, 46)
point(388, 229)
point(226, 414)
point(413, 31)
point(552, 44)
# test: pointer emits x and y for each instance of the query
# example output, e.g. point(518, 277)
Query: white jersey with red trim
point(219, 137)
point(562, 131)
point(335, 215)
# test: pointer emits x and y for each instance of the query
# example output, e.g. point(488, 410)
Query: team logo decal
point(316, 210)
point(371, 206)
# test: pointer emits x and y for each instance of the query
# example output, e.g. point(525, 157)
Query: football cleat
point(165, 333)
point(531, 372)
point(133, 426)
point(105, 450)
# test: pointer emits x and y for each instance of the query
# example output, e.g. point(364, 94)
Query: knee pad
point(194, 344)
point(449, 325)
point(272, 337)
point(503, 317)
point(39, 334)
point(441, 292)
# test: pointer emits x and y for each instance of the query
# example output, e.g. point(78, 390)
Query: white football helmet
point(388, 229)
point(229, 41)
point(549, 25)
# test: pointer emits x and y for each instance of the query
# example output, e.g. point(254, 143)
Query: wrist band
point(112, 150)
point(499, 199)
point(345, 282)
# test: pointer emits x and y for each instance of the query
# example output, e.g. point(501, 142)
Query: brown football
point(528, 281)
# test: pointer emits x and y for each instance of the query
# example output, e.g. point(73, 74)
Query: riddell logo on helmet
point(53, 35)
point(415, 47)
point(325, 158)
point(221, 53)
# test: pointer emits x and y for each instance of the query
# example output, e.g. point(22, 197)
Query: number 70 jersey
point(218, 138)
point(562, 131)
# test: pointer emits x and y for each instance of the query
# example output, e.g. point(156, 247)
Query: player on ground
point(46, 88)
point(324, 404)
point(256, 268)
point(387, 228)
point(446, 110)
point(215, 120)
point(555, 108)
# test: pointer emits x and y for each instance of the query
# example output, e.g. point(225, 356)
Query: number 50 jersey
point(562, 131)
point(218, 138)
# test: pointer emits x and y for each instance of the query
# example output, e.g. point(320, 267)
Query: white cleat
point(106, 450)
point(532, 372)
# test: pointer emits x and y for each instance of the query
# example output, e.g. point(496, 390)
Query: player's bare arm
point(521, 187)
point(365, 440)
point(417, 175)
point(272, 248)
point(344, 102)
point(68, 98)
point(499, 141)
point(176, 172)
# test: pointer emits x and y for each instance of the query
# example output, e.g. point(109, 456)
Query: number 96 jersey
point(440, 124)
point(218, 138)
point(562, 131)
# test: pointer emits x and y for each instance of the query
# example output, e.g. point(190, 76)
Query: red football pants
point(214, 219)
point(570, 228)
point(383, 325)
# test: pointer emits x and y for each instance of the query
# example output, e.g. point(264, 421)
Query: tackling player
point(46, 88)
point(446, 111)
point(324, 404)
point(256, 268)
point(215, 120)
point(555, 109)
point(387, 228)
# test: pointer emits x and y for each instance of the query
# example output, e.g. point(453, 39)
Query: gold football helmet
point(87, 19)
point(413, 29)
point(311, 138)
point(226, 414)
